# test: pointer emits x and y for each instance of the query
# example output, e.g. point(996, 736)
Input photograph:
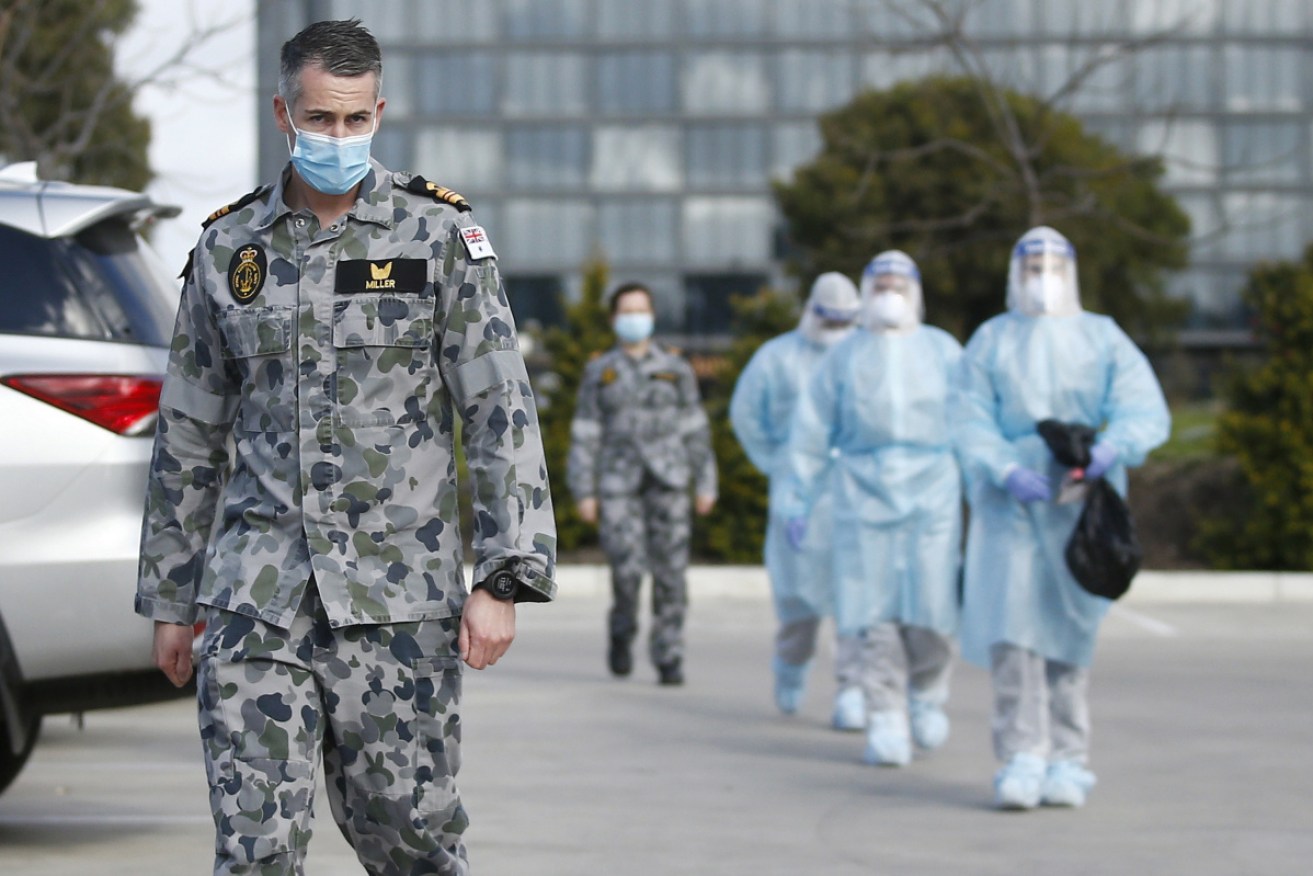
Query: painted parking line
point(1145, 622)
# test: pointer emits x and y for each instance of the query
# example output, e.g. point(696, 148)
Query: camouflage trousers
point(648, 530)
point(379, 704)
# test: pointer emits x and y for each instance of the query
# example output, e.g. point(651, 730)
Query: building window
point(456, 84)
point(1188, 148)
point(794, 145)
point(726, 83)
point(541, 20)
point(708, 298)
point(812, 18)
point(727, 231)
point(1175, 78)
point(459, 157)
point(1262, 78)
point(535, 298)
point(625, 19)
point(554, 233)
point(1263, 152)
point(813, 81)
point(1277, 17)
point(725, 18)
point(639, 158)
point(635, 83)
point(391, 147)
point(545, 83)
point(725, 156)
point(540, 157)
point(638, 230)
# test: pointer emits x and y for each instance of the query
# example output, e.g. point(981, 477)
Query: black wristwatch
point(502, 585)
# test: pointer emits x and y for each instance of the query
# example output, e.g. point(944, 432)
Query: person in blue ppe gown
point(878, 406)
point(1024, 615)
point(802, 581)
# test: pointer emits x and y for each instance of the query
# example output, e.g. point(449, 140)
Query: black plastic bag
point(1103, 552)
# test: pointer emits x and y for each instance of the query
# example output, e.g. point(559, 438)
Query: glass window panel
point(636, 158)
point(459, 157)
point(638, 230)
point(543, 19)
point(1176, 16)
point(391, 147)
point(1262, 77)
point(1205, 223)
point(629, 20)
point(1117, 130)
point(456, 83)
point(459, 23)
point(552, 232)
point(709, 299)
point(1104, 90)
point(727, 231)
point(636, 82)
point(812, 18)
point(547, 157)
point(1188, 148)
point(725, 156)
point(1016, 68)
point(794, 145)
point(721, 18)
point(1263, 225)
point(1264, 16)
point(1001, 18)
point(814, 81)
point(535, 302)
point(884, 21)
point(1174, 78)
point(388, 22)
point(1264, 152)
point(1081, 17)
point(398, 80)
point(882, 70)
point(545, 82)
point(726, 83)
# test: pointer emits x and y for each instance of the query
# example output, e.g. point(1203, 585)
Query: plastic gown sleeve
point(695, 430)
point(815, 418)
point(981, 446)
point(749, 408)
point(484, 372)
point(1135, 411)
point(197, 407)
point(585, 436)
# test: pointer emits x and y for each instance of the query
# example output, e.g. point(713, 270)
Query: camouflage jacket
point(309, 415)
point(637, 415)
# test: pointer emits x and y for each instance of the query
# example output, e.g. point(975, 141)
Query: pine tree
point(585, 333)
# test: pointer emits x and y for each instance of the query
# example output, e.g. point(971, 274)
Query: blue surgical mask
point(633, 327)
point(331, 165)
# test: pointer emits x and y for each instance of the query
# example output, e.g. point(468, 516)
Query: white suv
point(86, 318)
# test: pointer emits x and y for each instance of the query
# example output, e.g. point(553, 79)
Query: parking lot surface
point(1203, 744)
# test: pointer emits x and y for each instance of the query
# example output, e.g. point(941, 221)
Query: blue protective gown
point(1018, 370)
point(761, 411)
point(878, 403)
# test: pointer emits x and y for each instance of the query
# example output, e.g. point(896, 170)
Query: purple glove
point(1026, 485)
point(796, 532)
point(1102, 457)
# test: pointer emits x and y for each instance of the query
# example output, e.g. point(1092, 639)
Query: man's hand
point(172, 651)
point(487, 628)
point(587, 509)
point(704, 504)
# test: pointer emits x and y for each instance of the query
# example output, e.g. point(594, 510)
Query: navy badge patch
point(246, 272)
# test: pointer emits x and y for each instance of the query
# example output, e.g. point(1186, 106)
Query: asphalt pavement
point(1203, 744)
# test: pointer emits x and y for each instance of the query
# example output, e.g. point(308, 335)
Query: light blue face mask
point(331, 165)
point(633, 327)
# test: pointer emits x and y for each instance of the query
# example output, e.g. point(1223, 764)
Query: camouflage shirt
point(637, 415)
point(309, 416)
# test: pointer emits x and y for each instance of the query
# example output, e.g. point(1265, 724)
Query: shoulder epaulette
point(443, 195)
point(235, 205)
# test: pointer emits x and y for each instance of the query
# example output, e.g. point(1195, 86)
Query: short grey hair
point(342, 48)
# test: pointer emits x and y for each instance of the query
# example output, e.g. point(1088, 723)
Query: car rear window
point(103, 284)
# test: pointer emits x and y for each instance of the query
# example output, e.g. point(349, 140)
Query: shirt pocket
point(383, 345)
point(257, 341)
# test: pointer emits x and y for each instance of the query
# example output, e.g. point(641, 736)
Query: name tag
point(381, 275)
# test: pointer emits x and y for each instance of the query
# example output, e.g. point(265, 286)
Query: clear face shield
point(1042, 280)
point(831, 310)
point(891, 292)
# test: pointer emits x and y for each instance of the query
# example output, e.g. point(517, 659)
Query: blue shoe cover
point(790, 682)
point(929, 724)
point(1017, 784)
point(1066, 783)
point(849, 709)
point(888, 742)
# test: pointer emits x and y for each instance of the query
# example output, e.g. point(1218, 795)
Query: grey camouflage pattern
point(635, 416)
point(310, 430)
point(648, 530)
point(382, 702)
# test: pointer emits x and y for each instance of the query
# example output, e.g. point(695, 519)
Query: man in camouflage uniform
point(302, 496)
point(639, 437)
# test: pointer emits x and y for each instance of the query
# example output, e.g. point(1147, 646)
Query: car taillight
point(125, 404)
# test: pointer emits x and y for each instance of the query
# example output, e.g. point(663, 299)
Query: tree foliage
point(735, 531)
point(1268, 428)
point(934, 167)
point(61, 104)
point(585, 333)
